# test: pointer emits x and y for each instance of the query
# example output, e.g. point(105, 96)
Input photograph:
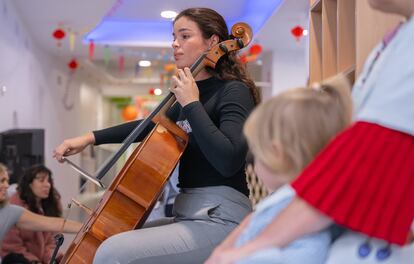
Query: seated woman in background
point(285, 134)
point(11, 215)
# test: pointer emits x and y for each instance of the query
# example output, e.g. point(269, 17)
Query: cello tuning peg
point(223, 47)
point(240, 43)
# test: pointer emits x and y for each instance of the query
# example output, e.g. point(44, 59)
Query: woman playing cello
point(211, 108)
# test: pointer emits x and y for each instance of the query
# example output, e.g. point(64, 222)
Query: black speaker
point(20, 149)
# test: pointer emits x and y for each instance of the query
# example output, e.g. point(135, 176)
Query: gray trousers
point(203, 218)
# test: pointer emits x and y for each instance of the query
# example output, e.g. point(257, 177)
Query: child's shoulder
point(281, 197)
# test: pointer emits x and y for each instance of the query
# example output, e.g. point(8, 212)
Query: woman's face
point(41, 185)
point(4, 184)
point(270, 179)
point(188, 42)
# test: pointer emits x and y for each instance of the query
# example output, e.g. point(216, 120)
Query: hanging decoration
point(72, 39)
point(255, 49)
point(67, 98)
point(252, 54)
point(107, 55)
point(73, 65)
point(59, 34)
point(91, 49)
point(297, 32)
point(245, 58)
point(151, 91)
point(129, 113)
point(121, 63)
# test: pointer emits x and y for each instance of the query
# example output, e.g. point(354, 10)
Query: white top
point(345, 250)
point(310, 249)
point(387, 96)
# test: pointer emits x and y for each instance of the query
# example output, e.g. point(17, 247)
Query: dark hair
point(229, 66)
point(50, 205)
point(15, 258)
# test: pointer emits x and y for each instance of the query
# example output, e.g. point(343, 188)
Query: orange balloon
point(169, 67)
point(251, 57)
point(129, 113)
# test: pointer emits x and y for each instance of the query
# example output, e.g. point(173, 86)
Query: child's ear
point(277, 149)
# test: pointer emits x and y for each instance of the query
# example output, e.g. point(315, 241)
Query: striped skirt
point(364, 180)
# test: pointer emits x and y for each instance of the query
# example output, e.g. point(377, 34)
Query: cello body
point(131, 196)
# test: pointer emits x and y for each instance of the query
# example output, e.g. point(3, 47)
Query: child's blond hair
point(3, 170)
point(286, 132)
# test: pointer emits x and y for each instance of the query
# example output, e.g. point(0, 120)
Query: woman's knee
point(108, 251)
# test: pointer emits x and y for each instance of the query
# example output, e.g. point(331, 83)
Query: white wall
point(289, 69)
point(285, 59)
point(37, 86)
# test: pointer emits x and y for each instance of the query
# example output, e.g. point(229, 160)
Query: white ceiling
point(276, 35)
point(42, 17)
point(137, 23)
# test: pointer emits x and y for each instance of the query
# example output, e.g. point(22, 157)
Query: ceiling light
point(157, 91)
point(305, 32)
point(144, 63)
point(168, 14)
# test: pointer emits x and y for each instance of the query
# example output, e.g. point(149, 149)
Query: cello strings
point(69, 207)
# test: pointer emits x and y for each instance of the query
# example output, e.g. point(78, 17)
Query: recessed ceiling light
point(144, 63)
point(168, 14)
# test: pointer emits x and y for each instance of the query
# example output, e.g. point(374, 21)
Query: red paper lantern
point(247, 57)
point(59, 34)
point(129, 113)
point(151, 91)
point(297, 32)
point(73, 64)
point(255, 49)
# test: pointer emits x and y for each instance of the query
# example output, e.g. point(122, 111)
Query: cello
point(129, 199)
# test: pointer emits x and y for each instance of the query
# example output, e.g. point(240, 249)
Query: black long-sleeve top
point(216, 150)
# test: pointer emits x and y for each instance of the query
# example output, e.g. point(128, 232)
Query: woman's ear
point(214, 39)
